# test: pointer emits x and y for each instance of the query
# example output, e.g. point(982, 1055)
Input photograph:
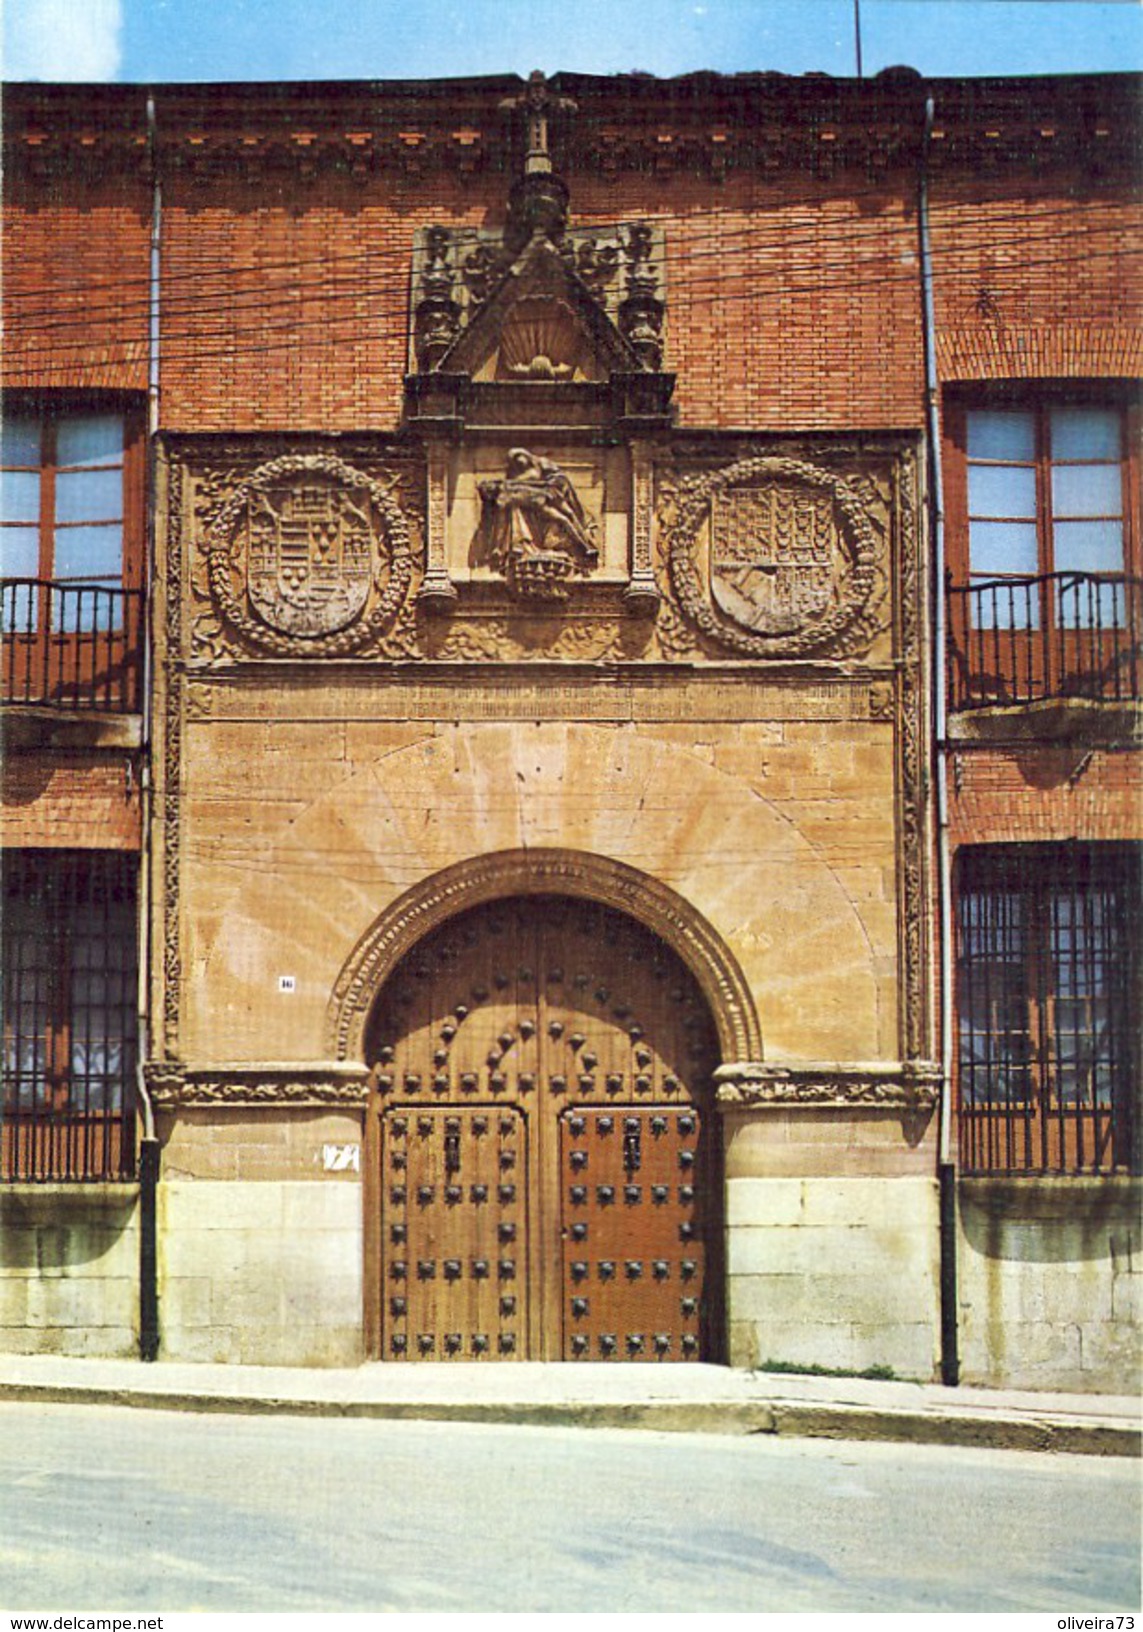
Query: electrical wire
point(400, 255)
point(392, 319)
point(33, 339)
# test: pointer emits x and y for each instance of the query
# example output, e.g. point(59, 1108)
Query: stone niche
point(599, 477)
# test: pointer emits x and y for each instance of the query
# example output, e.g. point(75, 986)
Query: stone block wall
point(260, 1248)
point(1049, 1280)
point(330, 822)
point(838, 1273)
point(261, 1273)
point(69, 1256)
point(832, 1243)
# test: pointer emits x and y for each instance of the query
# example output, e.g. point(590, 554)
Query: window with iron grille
point(1047, 1007)
point(1043, 534)
point(68, 931)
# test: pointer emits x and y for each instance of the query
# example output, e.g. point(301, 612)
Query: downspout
point(149, 1147)
point(946, 1165)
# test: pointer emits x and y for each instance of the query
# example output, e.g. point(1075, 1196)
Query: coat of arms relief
point(308, 555)
point(774, 557)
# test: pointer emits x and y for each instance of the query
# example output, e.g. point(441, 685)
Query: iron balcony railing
point(71, 646)
point(1060, 634)
point(42, 1144)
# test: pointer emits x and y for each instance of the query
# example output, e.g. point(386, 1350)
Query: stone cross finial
point(538, 104)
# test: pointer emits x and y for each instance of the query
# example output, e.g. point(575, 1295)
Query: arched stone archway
point(544, 1158)
point(522, 872)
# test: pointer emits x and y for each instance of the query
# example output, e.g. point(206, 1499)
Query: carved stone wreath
point(329, 567)
point(802, 566)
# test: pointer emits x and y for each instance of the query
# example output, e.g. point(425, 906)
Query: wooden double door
point(546, 1173)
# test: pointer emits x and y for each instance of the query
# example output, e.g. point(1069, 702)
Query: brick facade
point(70, 800)
point(1043, 793)
point(793, 278)
point(320, 793)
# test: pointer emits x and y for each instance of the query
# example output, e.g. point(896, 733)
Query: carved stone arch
point(481, 879)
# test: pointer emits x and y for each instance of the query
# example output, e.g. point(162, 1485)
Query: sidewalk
point(672, 1398)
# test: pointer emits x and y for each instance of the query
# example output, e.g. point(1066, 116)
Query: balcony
point(74, 648)
point(1055, 637)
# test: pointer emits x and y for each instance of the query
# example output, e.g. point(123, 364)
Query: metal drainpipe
point(946, 1166)
point(149, 1147)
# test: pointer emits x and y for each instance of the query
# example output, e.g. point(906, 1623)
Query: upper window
point(62, 508)
point(1042, 543)
point(1047, 994)
point(71, 527)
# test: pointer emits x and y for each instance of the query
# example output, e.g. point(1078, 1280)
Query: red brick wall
point(1041, 792)
point(1037, 277)
point(792, 301)
point(793, 296)
point(75, 282)
point(69, 800)
point(790, 304)
point(315, 335)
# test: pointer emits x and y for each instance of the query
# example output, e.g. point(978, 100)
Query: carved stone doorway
point(544, 1160)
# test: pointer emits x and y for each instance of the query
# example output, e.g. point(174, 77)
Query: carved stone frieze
point(882, 700)
point(173, 684)
point(683, 614)
point(581, 636)
point(642, 593)
point(306, 556)
point(776, 557)
point(242, 1086)
point(913, 1086)
point(914, 846)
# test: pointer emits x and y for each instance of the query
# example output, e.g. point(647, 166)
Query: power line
point(738, 242)
point(727, 248)
point(400, 254)
point(185, 347)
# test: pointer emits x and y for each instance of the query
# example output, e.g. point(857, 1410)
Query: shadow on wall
point(1048, 768)
point(60, 1227)
point(915, 1125)
point(26, 777)
point(1053, 1221)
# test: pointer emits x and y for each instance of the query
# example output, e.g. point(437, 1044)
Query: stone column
point(641, 595)
point(437, 592)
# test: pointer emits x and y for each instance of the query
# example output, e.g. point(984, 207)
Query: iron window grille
point(1047, 999)
point(70, 991)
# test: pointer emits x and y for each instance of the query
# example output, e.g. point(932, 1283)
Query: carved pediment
point(539, 305)
point(540, 322)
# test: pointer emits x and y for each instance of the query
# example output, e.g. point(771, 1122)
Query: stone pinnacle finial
point(538, 202)
point(538, 104)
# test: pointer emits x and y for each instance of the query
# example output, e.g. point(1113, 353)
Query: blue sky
point(169, 40)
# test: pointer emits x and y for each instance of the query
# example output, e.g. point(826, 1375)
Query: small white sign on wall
point(341, 1158)
point(287, 983)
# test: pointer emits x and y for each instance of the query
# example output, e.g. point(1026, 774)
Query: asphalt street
point(109, 1509)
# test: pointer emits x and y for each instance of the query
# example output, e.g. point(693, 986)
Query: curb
point(780, 1418)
